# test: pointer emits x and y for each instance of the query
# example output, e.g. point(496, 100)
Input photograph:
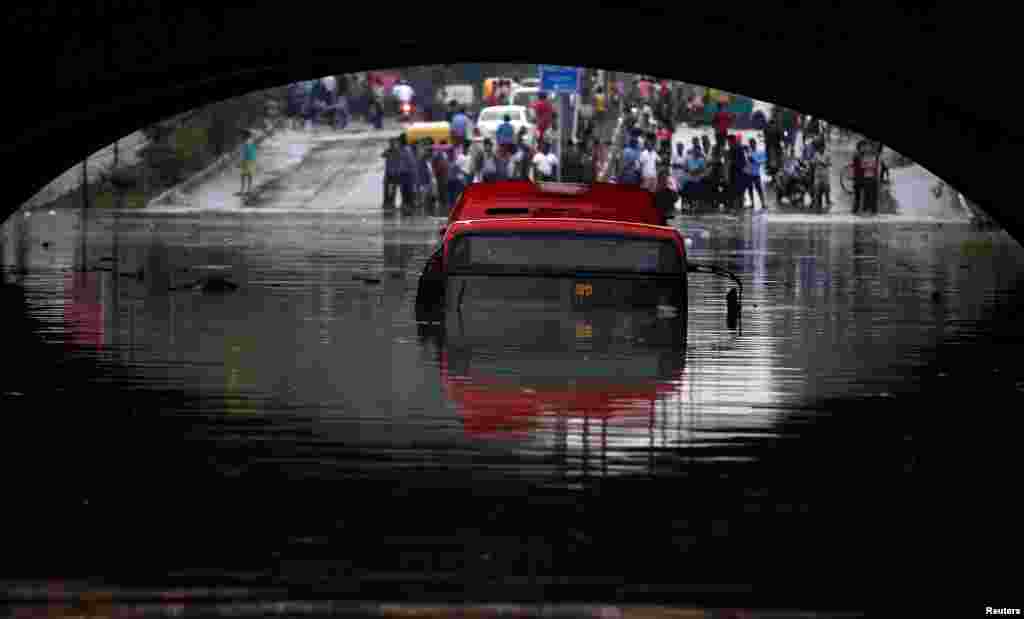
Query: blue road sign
point(556, 78)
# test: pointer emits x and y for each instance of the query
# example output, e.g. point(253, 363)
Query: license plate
point(584, 293)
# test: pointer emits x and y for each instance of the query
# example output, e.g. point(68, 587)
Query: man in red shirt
point(722, 121)
point(545, 113)
point(644, 86)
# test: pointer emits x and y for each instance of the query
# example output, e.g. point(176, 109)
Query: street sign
point(559, 79)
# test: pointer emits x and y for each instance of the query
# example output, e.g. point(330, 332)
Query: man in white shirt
point(544, 164)
point(461, 174)
point(649, 161)
point(465, 163)
point(331, 84)
point(403, 92)
point(678, 162)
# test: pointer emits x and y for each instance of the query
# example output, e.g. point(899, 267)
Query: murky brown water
point(310, 372)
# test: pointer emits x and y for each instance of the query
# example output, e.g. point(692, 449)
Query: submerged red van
point(558, 264)
point(579, 245)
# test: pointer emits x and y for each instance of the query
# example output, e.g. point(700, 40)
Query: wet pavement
point(303, 431)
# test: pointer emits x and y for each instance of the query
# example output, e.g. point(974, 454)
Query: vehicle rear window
point(493, 115)
point(558, 253)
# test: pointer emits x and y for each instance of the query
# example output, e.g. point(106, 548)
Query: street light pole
point(564, 114)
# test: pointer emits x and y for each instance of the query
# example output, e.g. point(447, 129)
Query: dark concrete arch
point(90, 74)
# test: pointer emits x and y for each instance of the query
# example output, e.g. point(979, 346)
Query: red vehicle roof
point(606, 201)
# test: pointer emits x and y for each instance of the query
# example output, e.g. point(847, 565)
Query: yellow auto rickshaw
point(435, 131)
point(492, 84)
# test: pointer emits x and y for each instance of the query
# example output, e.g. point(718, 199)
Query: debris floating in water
point(216, 284)
point(366, 278)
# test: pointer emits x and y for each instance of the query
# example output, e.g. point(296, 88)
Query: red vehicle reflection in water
point(494, 408)
point(609, 368)
point(83, 314)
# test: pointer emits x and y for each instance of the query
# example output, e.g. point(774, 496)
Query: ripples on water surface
point(312, 375)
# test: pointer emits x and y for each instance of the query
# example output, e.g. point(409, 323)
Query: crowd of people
point(724, 171)
point(328, 98)
point(720, 171)
point(425, 174)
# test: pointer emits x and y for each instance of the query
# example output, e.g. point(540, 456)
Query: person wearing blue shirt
point(392, 164)
point(694, 167)
point(460, 123)
point(630, 174)
point(694, 170)
point(808, 152)
point(424, 183)
point(756, 159)
point(296, 99)
point(506, 136)
point(407, 172)
point(248, 163)
point(759, 120)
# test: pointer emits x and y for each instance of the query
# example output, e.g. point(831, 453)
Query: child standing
point(248, 162)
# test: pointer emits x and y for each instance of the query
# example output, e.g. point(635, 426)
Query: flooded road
point(303, 430)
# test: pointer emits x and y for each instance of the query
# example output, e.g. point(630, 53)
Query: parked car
point(521, 116)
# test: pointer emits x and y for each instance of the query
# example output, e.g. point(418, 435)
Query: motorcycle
point(795, 185)
point(406, 111)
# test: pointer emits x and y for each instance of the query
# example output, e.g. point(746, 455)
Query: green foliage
point(191, 142)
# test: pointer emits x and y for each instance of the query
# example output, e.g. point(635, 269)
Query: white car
point(520, 116)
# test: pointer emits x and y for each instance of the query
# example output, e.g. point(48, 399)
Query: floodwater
point(304, 430)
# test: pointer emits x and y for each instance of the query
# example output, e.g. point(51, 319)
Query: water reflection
point(584, 384)
point(84, 311)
